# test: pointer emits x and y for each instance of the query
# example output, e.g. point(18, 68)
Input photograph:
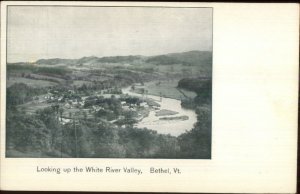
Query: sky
point(35, 32)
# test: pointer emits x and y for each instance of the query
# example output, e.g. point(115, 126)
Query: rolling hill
point(190, 58)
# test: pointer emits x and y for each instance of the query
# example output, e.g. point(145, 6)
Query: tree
point(132, 87)
point(85, 116)
point(61, 111)
point(197, 142)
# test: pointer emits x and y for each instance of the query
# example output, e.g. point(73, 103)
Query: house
point(121, 117)
point(71, 91)
point(64, 121)
point(67, 105)
point(144, 104)
point(96, 108)
point(125, 107)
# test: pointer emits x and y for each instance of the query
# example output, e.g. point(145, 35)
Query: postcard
point(149, 97)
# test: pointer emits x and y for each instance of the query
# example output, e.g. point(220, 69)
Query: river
point(172, 127)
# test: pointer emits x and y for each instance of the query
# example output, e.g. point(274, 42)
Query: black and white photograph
point(109, 82)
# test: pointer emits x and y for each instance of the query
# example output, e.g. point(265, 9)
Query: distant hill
point(194, 57)
point(119, 59)
point(55, 61)
point(164, 60)
point(185, 58)
point(86, 60)
point(202, 58)
point(92, 59)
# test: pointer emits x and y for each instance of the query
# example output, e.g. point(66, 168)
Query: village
point(108, 105)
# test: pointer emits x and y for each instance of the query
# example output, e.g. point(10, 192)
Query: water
point(174, 127)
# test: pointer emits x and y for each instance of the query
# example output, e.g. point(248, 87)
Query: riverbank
point(174, 127)
point(165, 112)
point(179, 118)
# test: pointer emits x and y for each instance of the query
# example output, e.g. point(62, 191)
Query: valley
point(119, 106)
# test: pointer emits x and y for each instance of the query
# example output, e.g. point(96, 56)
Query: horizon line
point(107, 56)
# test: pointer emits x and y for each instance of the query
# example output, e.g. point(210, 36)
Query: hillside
point(190, 58)
point(88, 60)
point(168, 66)
point(185, 58)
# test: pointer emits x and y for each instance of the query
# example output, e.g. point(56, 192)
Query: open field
point(167, 89)
point(32, 107)
point(81, 82)
point(30, 82)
